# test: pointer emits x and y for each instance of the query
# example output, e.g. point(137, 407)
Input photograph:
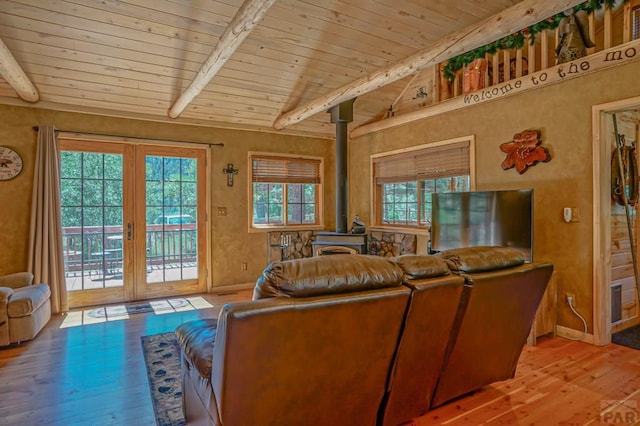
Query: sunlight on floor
point(123, 312)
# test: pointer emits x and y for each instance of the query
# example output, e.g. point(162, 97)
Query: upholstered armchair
point(24, 307)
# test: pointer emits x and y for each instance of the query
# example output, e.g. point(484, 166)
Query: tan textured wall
point(562, 112)
point(231, 243)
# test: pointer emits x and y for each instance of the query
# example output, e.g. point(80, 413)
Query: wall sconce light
point(230, 171)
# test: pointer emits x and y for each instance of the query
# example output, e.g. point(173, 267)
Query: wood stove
point(338, 242)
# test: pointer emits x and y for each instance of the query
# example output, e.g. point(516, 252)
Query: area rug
point(629, 337)
point(162, 357)
point(157, 306)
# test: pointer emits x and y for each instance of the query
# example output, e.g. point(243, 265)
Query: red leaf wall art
point(524, 151)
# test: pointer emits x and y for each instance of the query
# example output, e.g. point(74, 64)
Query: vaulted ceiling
point(134, 58)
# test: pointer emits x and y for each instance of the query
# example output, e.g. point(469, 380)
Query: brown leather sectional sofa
point(361, 340)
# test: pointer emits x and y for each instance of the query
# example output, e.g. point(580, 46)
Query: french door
point(133, 221)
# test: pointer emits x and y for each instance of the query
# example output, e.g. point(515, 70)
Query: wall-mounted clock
point(10, 163)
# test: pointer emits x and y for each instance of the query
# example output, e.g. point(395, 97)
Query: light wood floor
point(94, 374)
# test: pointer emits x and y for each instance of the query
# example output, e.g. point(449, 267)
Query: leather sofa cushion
point(197, 339)
point(480, 259)
point(417, 267)
point(25, 300)
point(323, 275)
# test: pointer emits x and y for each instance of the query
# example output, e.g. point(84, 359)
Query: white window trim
point(408, 228)
point(268, 228)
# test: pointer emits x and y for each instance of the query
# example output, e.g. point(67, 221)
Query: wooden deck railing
point(93, 246)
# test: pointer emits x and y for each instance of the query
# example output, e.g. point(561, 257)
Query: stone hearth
point(391, 244)
point(298, 244)
point(289, 245)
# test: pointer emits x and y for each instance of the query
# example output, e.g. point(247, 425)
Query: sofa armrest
point(5, 294)
point(19, 279)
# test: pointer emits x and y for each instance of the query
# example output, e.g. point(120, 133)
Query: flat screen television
point(483, 218)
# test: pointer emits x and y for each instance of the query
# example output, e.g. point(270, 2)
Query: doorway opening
point(614, 286)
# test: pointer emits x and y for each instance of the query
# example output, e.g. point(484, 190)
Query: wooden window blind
point(428, 163)
point(267, 169)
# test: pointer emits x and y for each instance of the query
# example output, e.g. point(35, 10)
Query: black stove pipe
point(341, 177)
point(341, 115)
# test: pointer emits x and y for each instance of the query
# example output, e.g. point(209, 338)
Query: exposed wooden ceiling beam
point(249, 14)
point(513, 19)
point(15, 76)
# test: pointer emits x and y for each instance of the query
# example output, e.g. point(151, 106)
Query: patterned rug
point(162, 357)
point(629, 337)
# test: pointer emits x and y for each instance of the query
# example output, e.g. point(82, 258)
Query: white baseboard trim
point(230, 288)
point(570, 333)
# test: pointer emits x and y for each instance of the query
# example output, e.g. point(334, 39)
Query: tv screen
point(483, 218)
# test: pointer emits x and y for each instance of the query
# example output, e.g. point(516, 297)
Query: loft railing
point(607, 28)
point(616, 33)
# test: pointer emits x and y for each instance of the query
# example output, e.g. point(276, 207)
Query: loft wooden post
point(531, 58)
point(608, 27)
point(457, 83)
point(15, 76)
point(495, 68)
point(544, 49)
point(443, 86)
point(513, 19)
point(487, 82)
point(555, 45)
point(518, 63)
point(626, 26)
point(435, 84)
point(592, 32)
point(249, 14)
point(506, 64)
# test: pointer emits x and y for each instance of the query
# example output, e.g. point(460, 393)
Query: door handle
point(129, 231)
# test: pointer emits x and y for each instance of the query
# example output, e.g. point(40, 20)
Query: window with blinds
point(404, 181)
point(285, 191)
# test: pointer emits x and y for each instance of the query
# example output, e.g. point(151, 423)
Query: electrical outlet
point(243, 266)
point(222, 211)
point(570, 298)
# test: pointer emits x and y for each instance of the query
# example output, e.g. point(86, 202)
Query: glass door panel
point(174, 211)
point(92, 214)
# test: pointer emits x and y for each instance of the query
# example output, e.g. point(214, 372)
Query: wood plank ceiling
point(134, 58)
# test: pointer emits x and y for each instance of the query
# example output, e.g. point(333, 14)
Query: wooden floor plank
point(557, 382)
point(95, 374)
